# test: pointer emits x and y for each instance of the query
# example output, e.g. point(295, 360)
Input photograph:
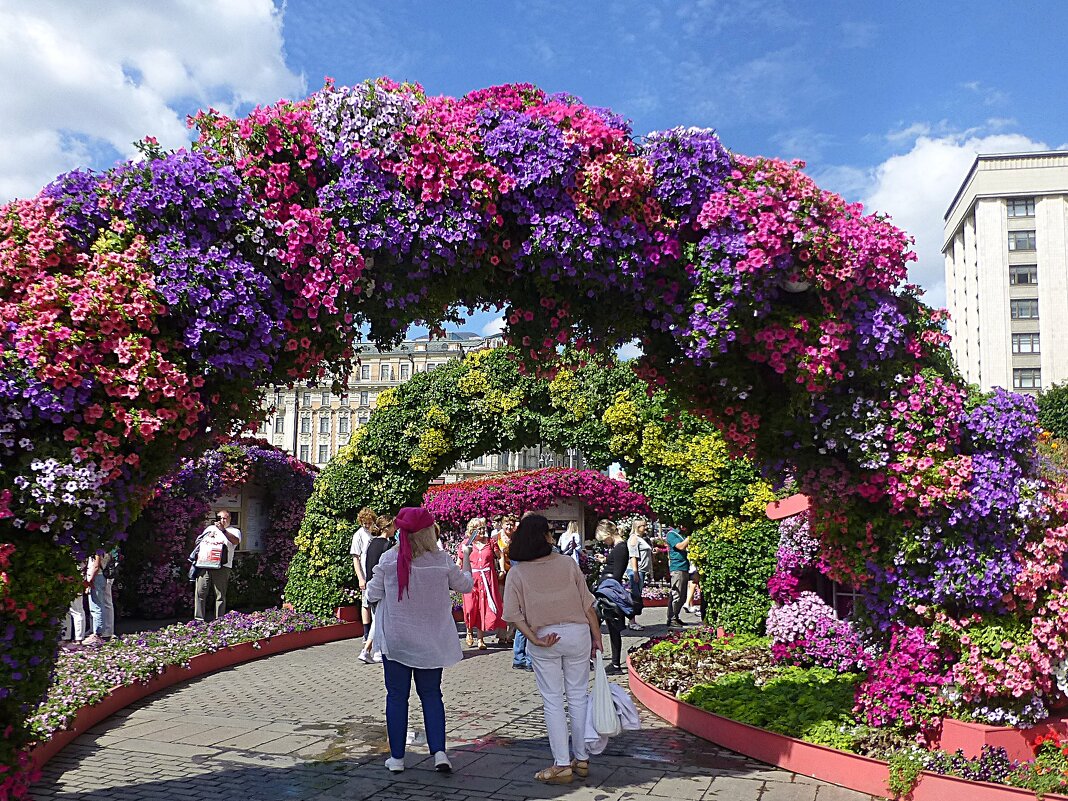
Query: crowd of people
point(522, 584)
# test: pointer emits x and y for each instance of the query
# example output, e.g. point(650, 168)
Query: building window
point(1023, 308)
point(1021, 240)
point(480, 461)
point(278, 397)
point(343, 424)
point(305, 452)
point(324, 453)
point(344, 399)
point(325, 401)
point(305, 425)
point(324, 424)
point(1026, 378)
point(307, 399)
point(365, 398)
point(383, 372)
point(363, 419)
point(1023, 274)
point(365, 372)
point(1025, 343)
point(279, 425)
point(1021, 207)
point(404, 372)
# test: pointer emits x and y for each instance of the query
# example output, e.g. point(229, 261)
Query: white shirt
point(358, 548)
point(572, 541)
point(214, 534)
point(418, 630)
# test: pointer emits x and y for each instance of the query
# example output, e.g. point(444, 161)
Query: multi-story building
point(312, 422)
point(1006, 255)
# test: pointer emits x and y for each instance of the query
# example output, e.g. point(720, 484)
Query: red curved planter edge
point(855, 772)
point(126, 694)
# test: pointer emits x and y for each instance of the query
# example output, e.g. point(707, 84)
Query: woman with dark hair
point(546, 597)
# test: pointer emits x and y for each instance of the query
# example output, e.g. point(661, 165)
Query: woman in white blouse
point(415, 629)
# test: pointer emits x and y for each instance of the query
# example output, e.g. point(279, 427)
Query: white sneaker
point(441, 762)
point(377, 658)
point(364, 657)
point(395, 765)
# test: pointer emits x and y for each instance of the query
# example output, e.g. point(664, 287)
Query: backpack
point(111, 564)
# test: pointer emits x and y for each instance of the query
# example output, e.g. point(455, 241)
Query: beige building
point(1006, 255)
point(312, 422)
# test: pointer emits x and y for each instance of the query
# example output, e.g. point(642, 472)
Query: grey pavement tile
point(250, 740)
point(170, 749)
point(777, 791)
point(291, 743)
point(832, 792)
point(212, 736)
point(681, 787)
point(730, 788)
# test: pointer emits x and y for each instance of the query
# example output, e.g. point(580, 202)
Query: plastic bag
point(605, 719)
point(211, 554)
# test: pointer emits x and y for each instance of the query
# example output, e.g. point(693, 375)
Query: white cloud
point(493, 327)
point(916, 187)
point(631, 350)
point(82, 81)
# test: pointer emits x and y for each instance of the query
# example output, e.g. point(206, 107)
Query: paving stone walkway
point(309, 725)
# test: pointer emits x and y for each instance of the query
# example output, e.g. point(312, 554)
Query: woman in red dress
point(484, 604)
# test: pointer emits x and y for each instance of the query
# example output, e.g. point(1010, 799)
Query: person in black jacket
point(615, 567)
point(383, 531)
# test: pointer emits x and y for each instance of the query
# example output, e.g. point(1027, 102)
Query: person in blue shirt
point(679, 565)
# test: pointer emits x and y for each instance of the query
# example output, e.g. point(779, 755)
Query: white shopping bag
point(605, 718)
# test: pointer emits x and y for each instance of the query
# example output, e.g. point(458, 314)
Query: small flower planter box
point(852, 771)
point(971, 737)
point(349, 614)
point(126, 694)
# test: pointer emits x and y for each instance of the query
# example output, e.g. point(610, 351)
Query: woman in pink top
point(483, 605)
point(546, 597)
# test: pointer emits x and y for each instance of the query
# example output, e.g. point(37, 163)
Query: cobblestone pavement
point(309, 725)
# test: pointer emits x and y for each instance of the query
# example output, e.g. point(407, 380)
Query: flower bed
point(91, 675)
point(732, 691)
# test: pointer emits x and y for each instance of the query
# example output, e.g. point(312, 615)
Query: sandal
point(470, 640)
point(580, 767)
point(557, 774)
point(481, 644)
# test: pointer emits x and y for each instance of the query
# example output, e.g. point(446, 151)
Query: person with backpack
point(110, 571)
point(214, 560)
point(570, 542)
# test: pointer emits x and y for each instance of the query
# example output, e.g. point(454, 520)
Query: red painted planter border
point(124, 695)
point(852, 771)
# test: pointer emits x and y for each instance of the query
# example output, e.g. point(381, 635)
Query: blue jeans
point(636, 584)
point(519, 650)
point(398, 688)
point(96, 603)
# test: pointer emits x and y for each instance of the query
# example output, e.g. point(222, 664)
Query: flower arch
point(529, 490)
point(484, 403)
point(140, 307)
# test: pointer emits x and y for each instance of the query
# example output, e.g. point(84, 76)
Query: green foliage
point(734, 575)
point(905, 767)
point(1053, 410)
point(484, 404)
point(793, 701)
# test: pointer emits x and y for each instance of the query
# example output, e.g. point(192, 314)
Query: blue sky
point(888, 103)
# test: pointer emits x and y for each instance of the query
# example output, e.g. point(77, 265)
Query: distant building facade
point(1006, 255)
point(311, 422)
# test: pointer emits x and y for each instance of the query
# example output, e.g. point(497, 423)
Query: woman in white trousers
point(546, 597)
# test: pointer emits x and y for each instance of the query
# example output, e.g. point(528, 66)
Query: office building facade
point(312, 422)
point(1006, 256)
